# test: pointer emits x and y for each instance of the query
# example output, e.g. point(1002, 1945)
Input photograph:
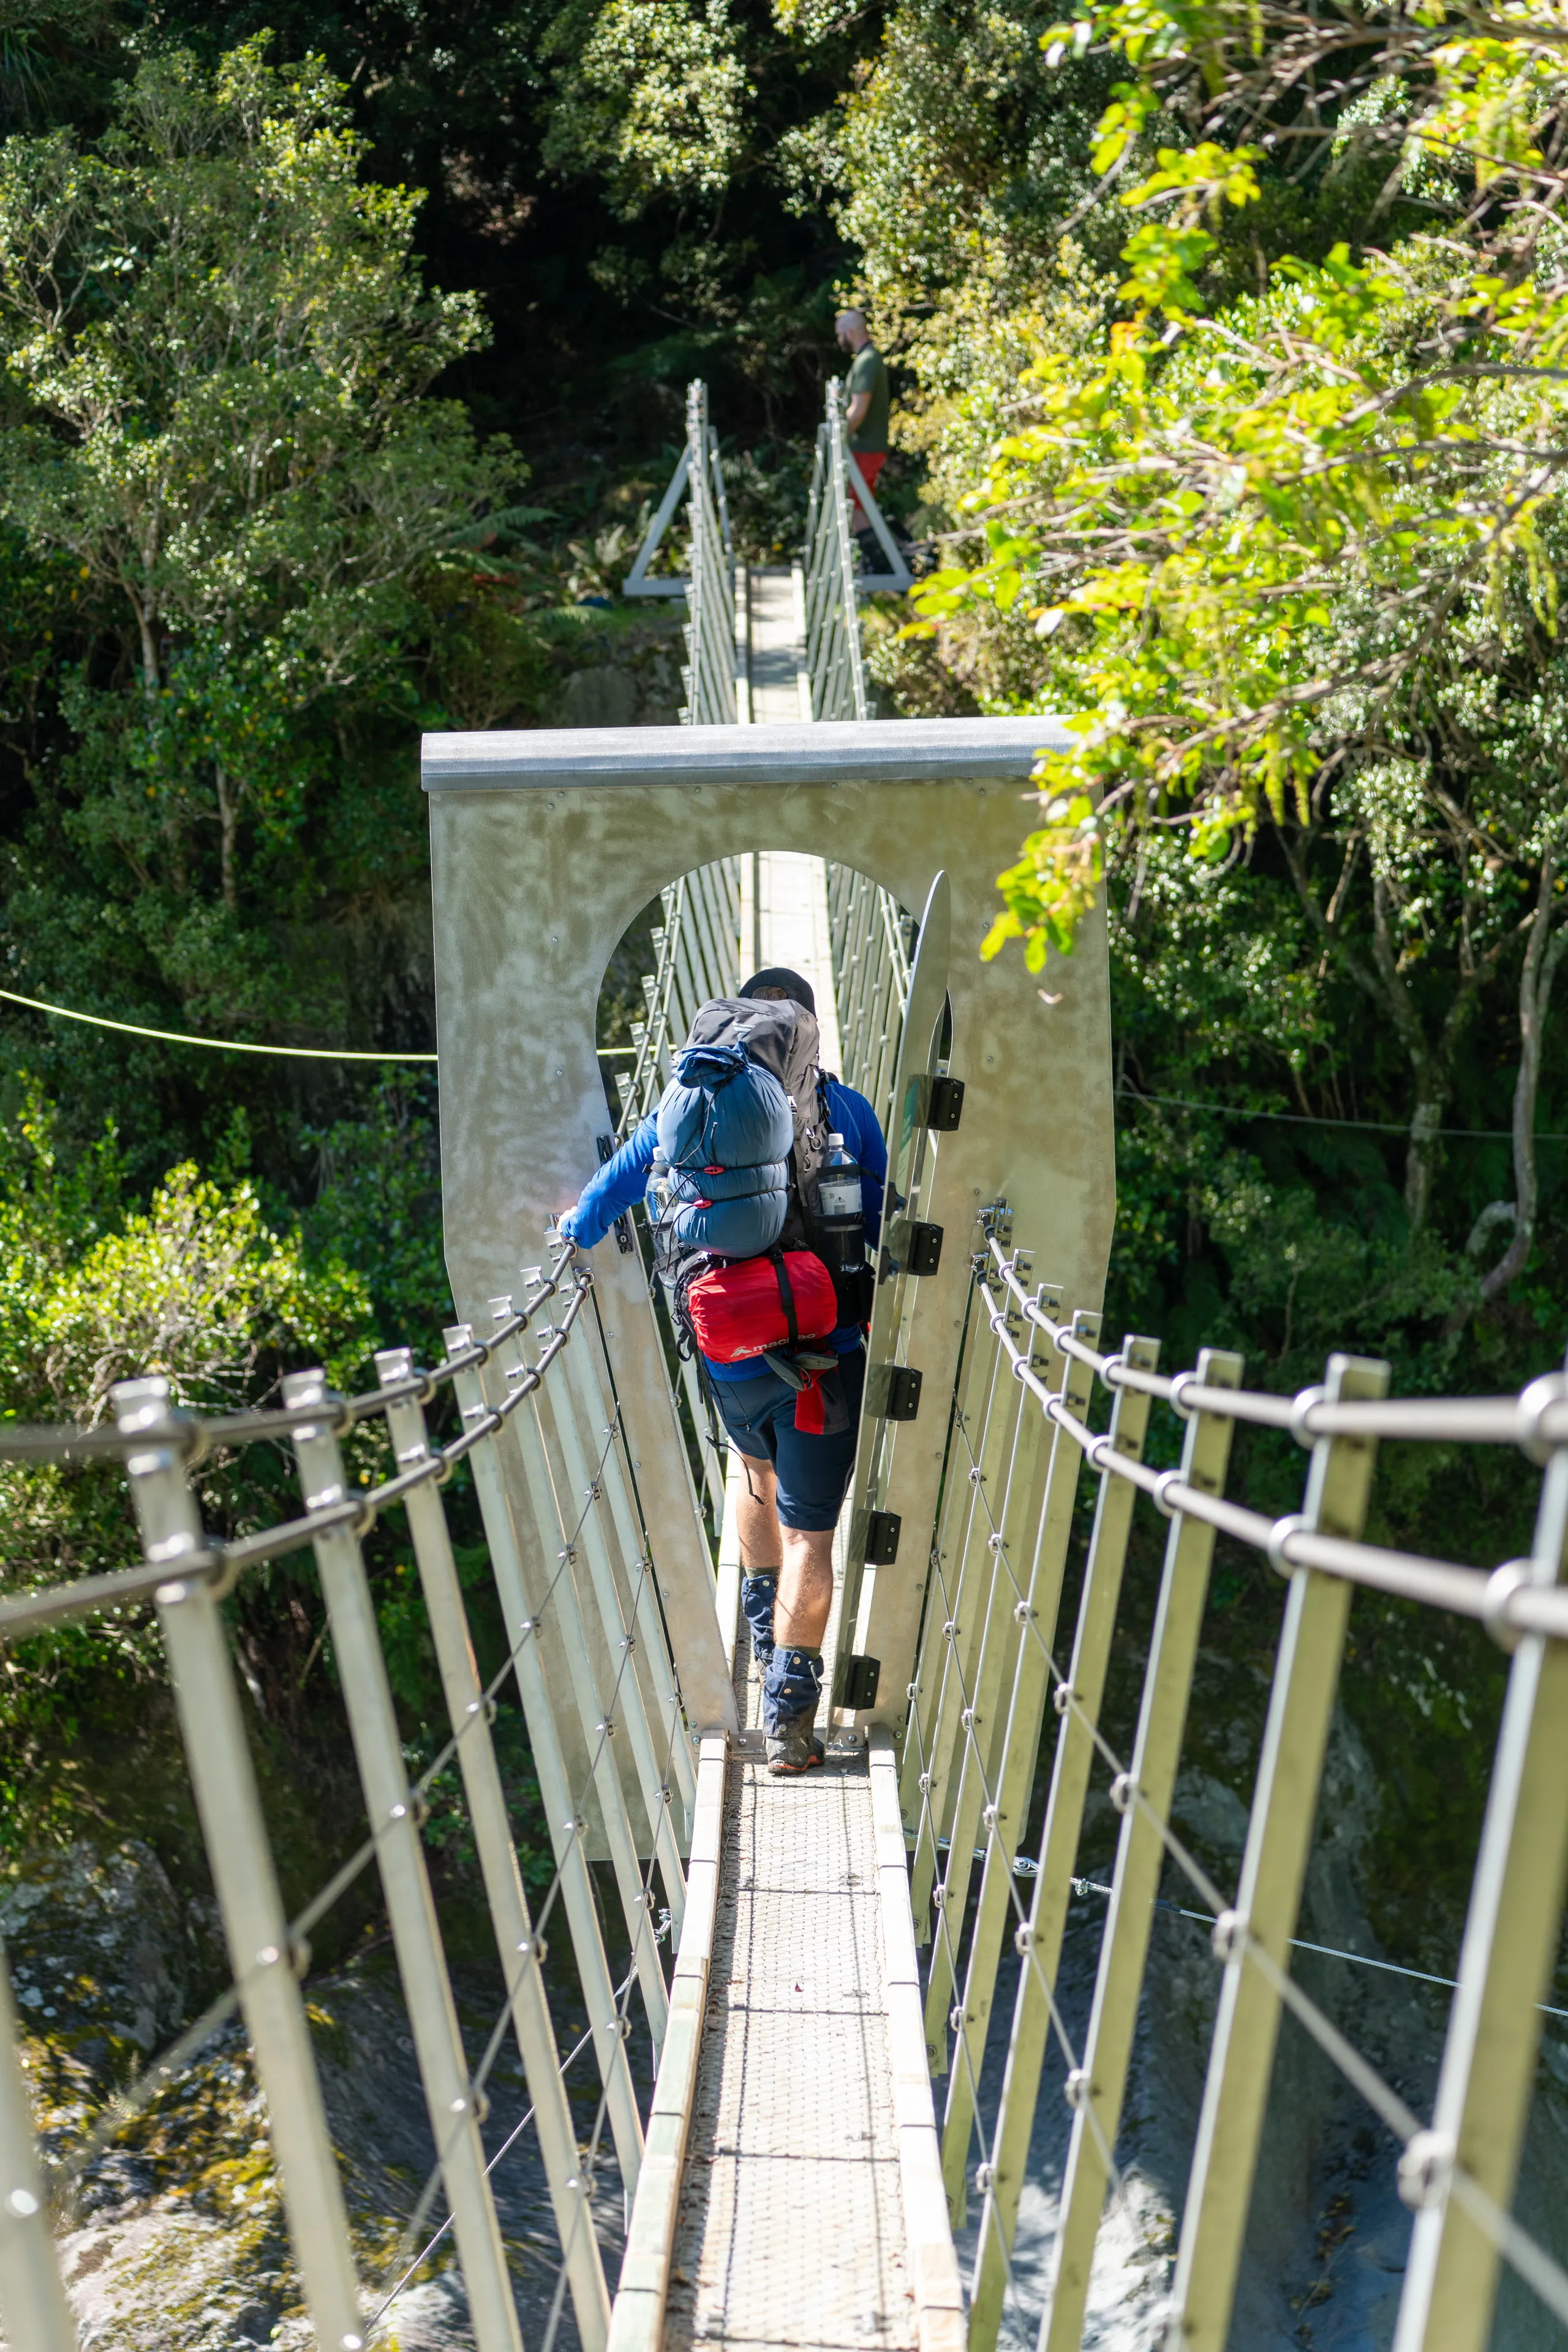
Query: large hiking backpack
point(740, 1125)
point(783, 1038)
point(739, 1128)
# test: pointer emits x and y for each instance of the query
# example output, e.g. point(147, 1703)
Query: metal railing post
point(530, 1632)
point(984, 1721)
point(256, 1926)
point(627, 1707)
point(1035, 1614)
point(1511, 1943)
point(664, 1700)
point(1278, 1840)
point(518, 1947)
point(33, 2305)
point(411, 1910)
point(552, 1502)
point(962, 1597)
point(1167, 1684)
point(1040, 1941)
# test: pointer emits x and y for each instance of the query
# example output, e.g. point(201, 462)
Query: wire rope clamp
point(1061, 1698)
point(1023, 1940)
point(926, 1783)
point(984, 2176)
point(1166, 1480)
point(1514, 1576)
point(1123, 1792)
point(1022, 1613)
point(1303, 1406)
point(1533, 1406)
point(1425, 2169)
point(1075, 2090)
point(956, 2017)
point(1228, 1938)
point(1279, 1534)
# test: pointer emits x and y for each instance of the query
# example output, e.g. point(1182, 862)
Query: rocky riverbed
point(174, 2239)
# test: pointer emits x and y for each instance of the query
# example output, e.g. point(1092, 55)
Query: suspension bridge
point(820, 1965)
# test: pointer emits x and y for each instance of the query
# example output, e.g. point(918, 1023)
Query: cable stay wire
point(240, 1044)
point(1239, 1112)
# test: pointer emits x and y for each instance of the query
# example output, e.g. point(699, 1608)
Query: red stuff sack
point(751, 1305)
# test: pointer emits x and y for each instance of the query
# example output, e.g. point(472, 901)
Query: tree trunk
point(146, 629)
point(228, 827)
point(1431, 1059)
point(1541, 957)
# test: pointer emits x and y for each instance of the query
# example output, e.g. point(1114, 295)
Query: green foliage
point(651, 95)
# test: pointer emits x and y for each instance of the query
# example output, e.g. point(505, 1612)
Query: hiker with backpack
point(763, 1177)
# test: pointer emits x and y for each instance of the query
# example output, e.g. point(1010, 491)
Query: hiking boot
point(793, 1748)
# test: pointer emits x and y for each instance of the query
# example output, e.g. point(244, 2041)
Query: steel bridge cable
point(942, 1906)
point(1081, 1886)
point(498, 2030)
point(1505, 1601)
point(56, 1604)
point(1533, 2264)
point(1298, 1943)
point(141, 2094)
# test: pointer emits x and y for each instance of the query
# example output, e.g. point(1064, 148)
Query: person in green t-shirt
point(867, 416)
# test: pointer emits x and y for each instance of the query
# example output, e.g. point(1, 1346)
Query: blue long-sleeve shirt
point(624, 1179)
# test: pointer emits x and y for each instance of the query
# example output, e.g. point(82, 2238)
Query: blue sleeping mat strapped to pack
point(726, 1129)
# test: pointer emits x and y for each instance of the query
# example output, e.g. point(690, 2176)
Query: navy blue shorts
point(813, 1473)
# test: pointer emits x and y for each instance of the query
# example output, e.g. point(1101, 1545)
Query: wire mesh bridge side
point(576, 1588)
point(1020, 1432)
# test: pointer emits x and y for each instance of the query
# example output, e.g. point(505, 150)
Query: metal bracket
point(997, 1220)
point(874, 1537)
point(941, 1104)
point(893, 1391)
point(637, 582)
point(856, 1681)
point(922, 1248)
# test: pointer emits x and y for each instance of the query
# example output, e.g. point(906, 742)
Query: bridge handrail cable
point(184, 1571)
point(987, 1664)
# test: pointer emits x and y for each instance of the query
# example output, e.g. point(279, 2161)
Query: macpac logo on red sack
point(751, 1304)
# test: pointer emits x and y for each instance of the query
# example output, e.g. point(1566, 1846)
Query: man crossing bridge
point(797, 1474)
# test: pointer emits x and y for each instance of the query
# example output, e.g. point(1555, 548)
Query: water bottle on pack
point(838, 1218)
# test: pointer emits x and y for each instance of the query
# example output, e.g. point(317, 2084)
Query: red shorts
point(871, 463)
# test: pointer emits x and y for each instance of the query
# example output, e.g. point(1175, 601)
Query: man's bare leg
point(757, 1519)
point(805, 1588)
point(800, 1557)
